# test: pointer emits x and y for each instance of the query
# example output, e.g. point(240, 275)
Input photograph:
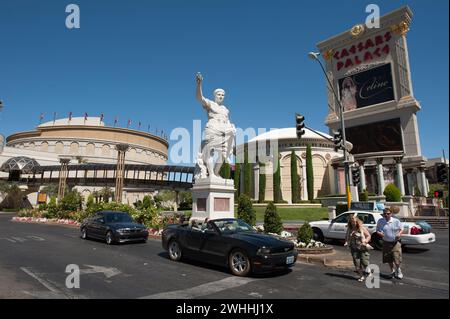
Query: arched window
point(59, 147)
point(44, 147)
point(90, 149)
point(106, 150)
point(74, 148)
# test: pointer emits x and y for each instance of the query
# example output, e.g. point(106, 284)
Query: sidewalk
point(336, 259)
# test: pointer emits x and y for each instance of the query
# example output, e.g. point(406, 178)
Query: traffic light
point(355, 175)
point(299, 125)
point(441, 172)
point(438, 194)
point(337, 140)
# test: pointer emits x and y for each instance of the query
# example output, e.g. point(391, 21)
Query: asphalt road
point(34, 257)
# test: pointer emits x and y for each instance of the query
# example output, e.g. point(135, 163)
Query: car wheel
point(239, 263)
point(84, 234)
point(376, 242)
point(109, 238)
point(174, 250)
point(318, 235)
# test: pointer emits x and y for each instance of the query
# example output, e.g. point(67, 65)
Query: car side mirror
point(102, 221)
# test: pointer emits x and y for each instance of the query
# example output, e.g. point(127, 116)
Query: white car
point(413, 233)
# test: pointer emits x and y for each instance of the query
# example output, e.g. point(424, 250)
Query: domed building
point(82, 141)
point(286, 140)
point(87, 140)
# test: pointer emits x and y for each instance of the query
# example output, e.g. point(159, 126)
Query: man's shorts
point(392, 252)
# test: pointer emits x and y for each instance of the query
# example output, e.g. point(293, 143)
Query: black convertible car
point(229, 242)
point(113, 227)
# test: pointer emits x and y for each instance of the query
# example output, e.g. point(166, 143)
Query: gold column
point(121, 150)
point(63, 172)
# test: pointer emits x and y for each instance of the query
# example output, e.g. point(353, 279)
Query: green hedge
point(392, 193)
point(272, 221)
point(309, 172)
point(245, 210)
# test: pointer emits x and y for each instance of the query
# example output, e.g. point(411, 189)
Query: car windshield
point(229, 226)
point(118, 218)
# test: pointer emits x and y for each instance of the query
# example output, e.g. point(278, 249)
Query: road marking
point(45, 283)
point(424, 283)
point(14, 239)
point(8, 239)
point(108, 272)
point(202, 290)
point(53, 293)
point(37, 238)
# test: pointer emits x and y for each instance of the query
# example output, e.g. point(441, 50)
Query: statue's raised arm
point(199, 93)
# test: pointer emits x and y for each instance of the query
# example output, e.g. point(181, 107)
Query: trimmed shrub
point(262, 184)
point(392, 193)
point(277, 195)
point(309, 173)
point(364, 196)
point(417, 191)
point(272, 221)
point(245, 210)
point(247, 174)
point(295, 181)
point(71, 202)
point(225, 170)
point(305, 233)
point(237, 179)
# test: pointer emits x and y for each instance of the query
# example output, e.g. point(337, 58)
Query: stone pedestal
point(213, 199)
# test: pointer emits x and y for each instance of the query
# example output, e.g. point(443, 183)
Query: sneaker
point(398, 274)
point(362, 278)
point(392, 274)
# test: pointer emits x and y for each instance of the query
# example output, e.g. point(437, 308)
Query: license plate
point(289, 260)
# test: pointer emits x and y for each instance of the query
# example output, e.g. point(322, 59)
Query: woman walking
point(357, 239)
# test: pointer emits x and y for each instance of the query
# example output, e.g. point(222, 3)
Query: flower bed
point(46, 221)
point(154, 233)
point(314, 247)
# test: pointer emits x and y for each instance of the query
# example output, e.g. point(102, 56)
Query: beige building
point(325, 181)
point(90, 141)
point(83, 140)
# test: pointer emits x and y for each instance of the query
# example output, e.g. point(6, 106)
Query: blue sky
point(137, 60)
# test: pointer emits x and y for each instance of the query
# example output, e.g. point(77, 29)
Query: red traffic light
point(439, 194)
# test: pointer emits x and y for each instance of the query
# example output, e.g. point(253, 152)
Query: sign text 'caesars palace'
point(366, 51)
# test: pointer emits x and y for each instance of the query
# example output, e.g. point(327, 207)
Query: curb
point(325, 260)
point(45, 222)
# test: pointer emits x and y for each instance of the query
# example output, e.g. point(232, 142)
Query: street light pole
point(315, 56)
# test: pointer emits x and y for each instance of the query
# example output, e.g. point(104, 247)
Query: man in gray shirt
point(390, 229)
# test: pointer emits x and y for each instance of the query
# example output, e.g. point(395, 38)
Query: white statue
point(219, 134)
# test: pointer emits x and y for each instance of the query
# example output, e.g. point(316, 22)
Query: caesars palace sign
point(363, 52)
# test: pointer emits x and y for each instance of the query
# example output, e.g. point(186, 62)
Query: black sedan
point(113, 227)
point(229, 242)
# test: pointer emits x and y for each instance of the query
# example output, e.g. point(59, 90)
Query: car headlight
point(122, 230)
point(263, 251)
